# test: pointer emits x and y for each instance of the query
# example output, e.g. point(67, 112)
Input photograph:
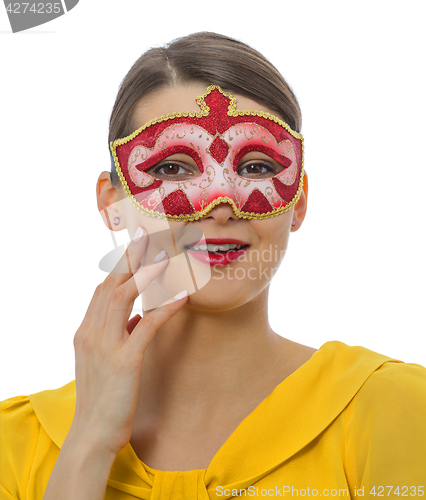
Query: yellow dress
point(349, 422)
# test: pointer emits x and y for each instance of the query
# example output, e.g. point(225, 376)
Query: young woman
point(200, 398)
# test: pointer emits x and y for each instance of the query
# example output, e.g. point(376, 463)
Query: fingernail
point(181, 294)
point(138, 235)
point(159, 256)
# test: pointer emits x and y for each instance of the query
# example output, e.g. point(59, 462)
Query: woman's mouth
point(217, 252)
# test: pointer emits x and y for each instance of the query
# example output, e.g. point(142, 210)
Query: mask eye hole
point(257, 165)
point(176, 167)
point(255, 168)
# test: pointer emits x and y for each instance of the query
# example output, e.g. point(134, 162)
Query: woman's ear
point(108, 198)
point(301, 205)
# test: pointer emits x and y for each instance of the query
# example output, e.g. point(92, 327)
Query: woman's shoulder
point(402, 372)
point(15, 413)
point(391, 399)
point(32, 430)
point(19, 433)
point(385, 427)
point(395, 383)
point(375, 391)
point(379, 371)
point(52, 409)
point(383, 381)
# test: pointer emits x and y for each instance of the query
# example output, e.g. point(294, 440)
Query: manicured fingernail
point(181, 294)
point(159, 256)
point(138, 235)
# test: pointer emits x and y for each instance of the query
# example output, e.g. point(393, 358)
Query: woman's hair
point(209, 59)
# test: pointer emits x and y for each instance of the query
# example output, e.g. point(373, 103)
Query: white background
point(355, 272)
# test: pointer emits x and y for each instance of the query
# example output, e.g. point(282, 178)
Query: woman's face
point(232, 282)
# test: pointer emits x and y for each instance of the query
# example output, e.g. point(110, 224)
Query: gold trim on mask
point(232, 111)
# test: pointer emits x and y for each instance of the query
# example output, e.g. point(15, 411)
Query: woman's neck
point(202, 362)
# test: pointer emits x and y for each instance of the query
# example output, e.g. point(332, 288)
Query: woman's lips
point(217, 259)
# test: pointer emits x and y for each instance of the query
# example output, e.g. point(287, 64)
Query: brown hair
point(206, 58)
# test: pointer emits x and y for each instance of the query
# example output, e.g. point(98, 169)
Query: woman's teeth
point(216, 248)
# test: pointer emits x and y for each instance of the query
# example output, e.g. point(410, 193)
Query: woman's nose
point(221, 213)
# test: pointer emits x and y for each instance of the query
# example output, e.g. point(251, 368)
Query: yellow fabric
point(348, 418)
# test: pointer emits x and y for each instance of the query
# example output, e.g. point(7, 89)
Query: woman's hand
point(109, 351)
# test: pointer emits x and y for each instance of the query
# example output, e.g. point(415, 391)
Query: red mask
point(216, 138)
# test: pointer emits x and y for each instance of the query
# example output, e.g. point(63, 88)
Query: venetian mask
point(216, 138)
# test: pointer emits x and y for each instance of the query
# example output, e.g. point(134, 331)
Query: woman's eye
point(169, 169)
point(257, 168)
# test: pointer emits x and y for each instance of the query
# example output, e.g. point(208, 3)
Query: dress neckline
point(294, 414)
point(152, 472)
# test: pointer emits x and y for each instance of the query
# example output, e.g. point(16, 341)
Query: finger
point(147, 326)
point(124, 296)
point(129, 261)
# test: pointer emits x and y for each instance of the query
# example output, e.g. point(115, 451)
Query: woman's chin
point(217, 288)
point(220, 295)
